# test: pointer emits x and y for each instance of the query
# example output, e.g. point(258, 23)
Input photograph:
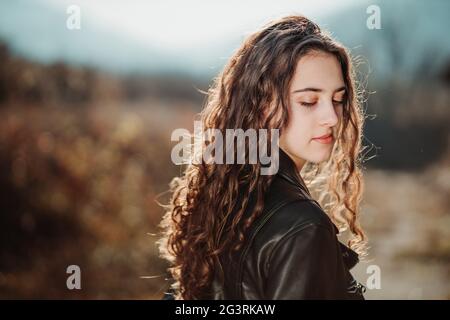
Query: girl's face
point(316, 97)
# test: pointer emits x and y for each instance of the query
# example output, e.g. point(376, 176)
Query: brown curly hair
point(207, 195)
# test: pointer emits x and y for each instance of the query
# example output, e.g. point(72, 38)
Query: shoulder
point(297, 227)
point(293, 217)
point(288, 208)
point(302, 218)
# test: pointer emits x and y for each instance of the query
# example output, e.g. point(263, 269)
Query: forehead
point(319, 70)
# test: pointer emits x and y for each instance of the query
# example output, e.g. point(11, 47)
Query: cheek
point(297, 133)
point(300, 128)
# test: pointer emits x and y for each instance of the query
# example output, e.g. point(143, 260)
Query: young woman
point(231, 232)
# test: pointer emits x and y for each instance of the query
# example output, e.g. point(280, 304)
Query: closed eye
point(311, 104)
point(307, 104)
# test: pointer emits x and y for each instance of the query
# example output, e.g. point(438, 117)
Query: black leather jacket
point(291, 251)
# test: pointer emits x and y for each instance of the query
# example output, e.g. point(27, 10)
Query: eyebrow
point(318, 90)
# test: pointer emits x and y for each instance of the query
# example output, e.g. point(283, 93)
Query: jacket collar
point(351, 258)
point(288, 170)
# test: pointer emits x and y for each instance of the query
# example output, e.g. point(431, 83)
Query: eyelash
point(309, 105)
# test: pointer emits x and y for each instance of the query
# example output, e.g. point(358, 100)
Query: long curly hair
point(252, 92)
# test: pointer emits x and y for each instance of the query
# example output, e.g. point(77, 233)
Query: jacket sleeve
point(304, 265)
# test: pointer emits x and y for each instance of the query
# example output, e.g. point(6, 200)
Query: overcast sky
point(178, 24)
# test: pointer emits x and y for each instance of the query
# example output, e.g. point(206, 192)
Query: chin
point(320, 159)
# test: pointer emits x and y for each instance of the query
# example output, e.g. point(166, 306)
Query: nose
point(328, 116)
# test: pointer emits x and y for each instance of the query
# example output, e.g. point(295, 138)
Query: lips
point(324, 136)
point(325, 139)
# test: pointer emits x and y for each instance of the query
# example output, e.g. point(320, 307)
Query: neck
point(299, 163)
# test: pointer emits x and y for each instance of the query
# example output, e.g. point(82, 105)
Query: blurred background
point(86, 117)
